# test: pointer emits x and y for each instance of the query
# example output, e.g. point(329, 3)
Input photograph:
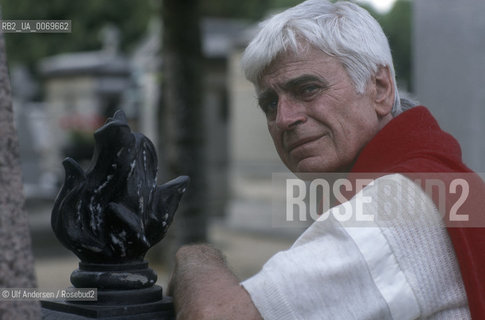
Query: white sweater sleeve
point(337, 272)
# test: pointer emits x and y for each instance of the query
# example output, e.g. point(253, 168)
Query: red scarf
point(414, 144)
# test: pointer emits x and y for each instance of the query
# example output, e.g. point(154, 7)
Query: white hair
point(342, 30)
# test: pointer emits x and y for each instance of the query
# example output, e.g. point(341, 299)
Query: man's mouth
point(301, 142)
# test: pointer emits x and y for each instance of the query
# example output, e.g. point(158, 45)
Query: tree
point(182, 130)
point(16, 261)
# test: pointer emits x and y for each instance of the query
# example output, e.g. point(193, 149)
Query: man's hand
point(203, 287)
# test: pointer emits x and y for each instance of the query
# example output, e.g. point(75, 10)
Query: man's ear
point(384, 94)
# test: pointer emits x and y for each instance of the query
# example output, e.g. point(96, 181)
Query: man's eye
point(269, 106)
point(308, 91)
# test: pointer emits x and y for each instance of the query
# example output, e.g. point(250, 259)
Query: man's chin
point(312, 165)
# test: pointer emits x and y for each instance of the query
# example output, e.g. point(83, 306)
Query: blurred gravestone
point(449, 69)
point(16, 261)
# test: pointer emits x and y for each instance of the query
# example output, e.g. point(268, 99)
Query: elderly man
point(324, 78)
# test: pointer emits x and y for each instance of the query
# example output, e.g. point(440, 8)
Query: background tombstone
point(449, 70)
point(16, 262)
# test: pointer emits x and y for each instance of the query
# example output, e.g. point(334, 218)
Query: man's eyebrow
point(291, 84)
point(303, 79)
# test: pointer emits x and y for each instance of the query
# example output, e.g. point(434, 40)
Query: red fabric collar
point(412, 135)
point(413, 142)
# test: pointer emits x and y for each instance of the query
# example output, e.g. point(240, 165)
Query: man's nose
point(289, 113)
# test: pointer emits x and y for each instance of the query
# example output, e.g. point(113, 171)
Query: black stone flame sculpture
point(110, 215)
point(116, 211)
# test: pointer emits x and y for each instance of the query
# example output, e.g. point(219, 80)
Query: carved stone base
point(139, 304)
point(122, 276)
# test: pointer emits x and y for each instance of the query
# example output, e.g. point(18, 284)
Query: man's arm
point(203, 287)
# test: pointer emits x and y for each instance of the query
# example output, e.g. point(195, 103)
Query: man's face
point(317, 120)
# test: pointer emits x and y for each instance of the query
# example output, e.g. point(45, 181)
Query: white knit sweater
point(400, 268)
